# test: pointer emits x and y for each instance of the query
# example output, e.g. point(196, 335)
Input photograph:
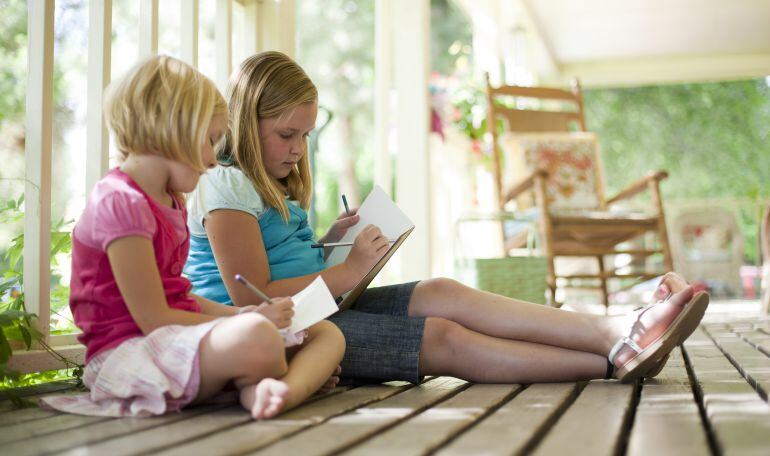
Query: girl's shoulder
point(115, 208)
point(222, 187)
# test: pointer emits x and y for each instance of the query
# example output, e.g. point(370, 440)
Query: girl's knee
point(260, 341)
point(440, 286)
point(329, 332)
point(443, 333)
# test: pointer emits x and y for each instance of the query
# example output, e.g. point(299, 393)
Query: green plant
point(16, 324)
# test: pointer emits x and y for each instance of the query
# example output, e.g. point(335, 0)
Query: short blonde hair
point(268, 84)
point(163, 106)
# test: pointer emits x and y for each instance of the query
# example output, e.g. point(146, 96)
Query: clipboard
point(352, 295)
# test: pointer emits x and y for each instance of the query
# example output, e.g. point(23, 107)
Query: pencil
point(254, 289)
point(337, 244)
point(345, 203)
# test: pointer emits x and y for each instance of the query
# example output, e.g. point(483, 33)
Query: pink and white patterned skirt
point(143, 376)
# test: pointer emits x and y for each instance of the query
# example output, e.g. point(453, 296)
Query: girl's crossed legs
point(484, 337)
point(248, 350)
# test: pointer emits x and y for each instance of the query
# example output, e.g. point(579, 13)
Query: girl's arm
point(236, 240)
point(132, 259)
point(210, 307)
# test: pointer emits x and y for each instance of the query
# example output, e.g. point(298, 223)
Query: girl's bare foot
point(646, 325)
point(265, 399)
point(332, 382)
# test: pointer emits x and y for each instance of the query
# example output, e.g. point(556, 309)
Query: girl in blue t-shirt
point(248, 216)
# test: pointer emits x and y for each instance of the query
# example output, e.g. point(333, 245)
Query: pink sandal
point(649, 361)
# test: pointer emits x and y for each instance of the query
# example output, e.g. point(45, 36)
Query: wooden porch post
point(37, 191)
point(411, 46)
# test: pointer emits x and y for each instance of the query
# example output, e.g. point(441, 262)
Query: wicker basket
point(517, 277)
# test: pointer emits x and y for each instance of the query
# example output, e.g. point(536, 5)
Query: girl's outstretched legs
point(506, 318)
point(448, 348)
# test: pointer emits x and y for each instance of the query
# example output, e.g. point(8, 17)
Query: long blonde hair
point(268, 84)
point(163, 106)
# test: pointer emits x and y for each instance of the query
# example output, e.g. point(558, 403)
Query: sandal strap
point(610, 370)
point(619, 344)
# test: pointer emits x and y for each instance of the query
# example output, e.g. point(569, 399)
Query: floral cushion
point(571, 160)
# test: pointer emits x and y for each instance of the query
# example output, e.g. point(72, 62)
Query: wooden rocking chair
point(563, 170)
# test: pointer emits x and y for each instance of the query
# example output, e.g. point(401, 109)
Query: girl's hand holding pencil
point(340, 226)
point(278, 310)
point(368, 248)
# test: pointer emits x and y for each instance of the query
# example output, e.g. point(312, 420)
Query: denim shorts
point(382, 340)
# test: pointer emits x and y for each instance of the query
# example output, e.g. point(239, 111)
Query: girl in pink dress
point(151, 345)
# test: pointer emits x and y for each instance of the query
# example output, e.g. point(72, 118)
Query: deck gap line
point(104, 439)
point(621, 446)
point(103, 419)
point(697, 393)
point(250, 420)
point(540, 434)
point(282, 436)
point(749, 379)
point(353, 443)
point(323, 420)
point(756, 346)
point(489, 412)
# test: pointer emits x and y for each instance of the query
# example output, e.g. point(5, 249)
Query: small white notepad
point(312, 305)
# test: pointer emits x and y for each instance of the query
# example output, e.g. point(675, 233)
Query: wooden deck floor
point(710, 399)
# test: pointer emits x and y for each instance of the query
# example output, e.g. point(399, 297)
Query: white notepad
point(312, 305)
point(378, 210)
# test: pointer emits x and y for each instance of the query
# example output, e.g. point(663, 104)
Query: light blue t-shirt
point(287, 243)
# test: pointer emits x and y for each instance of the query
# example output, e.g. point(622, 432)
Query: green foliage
point(451, 35)
point(16, 324)
point(712, 139)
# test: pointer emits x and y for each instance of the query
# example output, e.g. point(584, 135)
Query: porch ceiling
point(608, 43)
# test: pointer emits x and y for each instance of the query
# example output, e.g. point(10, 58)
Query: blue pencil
point(345, 203)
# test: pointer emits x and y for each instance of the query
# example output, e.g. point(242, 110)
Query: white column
point(148, 28)
point(383, 80)
point(287, 25)
point(412, 46)
point(99, 54)
point(37, 191)
point(224, 42)
point(189, 31)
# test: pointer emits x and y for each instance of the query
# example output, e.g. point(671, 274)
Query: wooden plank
point(751, 363)
point(37, 390)
point(22, 415)
point(254, 435)
point(36, 428)
point(534, 92)
point(595, 423)
point(514, 427)
point(162, 437)
point(100, 431)
point(343, 431)
point(667, 419)
point(431, 428)
point(738, 419)
point(43, 360)
point(37, 159)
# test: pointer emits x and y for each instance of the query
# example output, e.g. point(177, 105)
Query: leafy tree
point(712, 138)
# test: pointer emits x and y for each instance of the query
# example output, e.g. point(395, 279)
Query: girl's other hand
point(368, 248)
point(341, 226)
point(279, 312)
